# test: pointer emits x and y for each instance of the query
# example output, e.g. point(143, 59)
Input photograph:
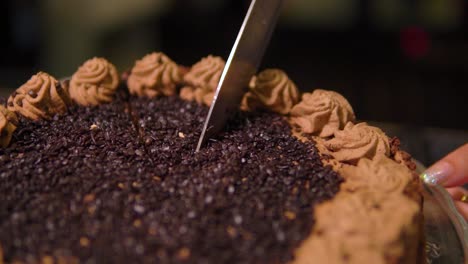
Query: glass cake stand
point(445, 229)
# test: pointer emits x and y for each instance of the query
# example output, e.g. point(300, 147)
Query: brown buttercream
point(202, 96)
point(202, 80)
point(321, 113)
point(358, 141)
point(385, 175)
point(360, 225)
point(273, 90)
point(8, 124)
point(153, 75)
point(94, 83)
point(41, 97)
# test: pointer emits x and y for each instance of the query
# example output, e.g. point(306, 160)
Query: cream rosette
point(273, 90)
point(358, 141)
point(155, 74)
point(41, 97)
point(94, 83)
point(202, 80)
point(321, 113)
point(8, 124)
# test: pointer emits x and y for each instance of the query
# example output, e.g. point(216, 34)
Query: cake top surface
point(105, 169)
point(247, 193)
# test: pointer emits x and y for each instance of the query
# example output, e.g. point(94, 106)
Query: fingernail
point(437, 173)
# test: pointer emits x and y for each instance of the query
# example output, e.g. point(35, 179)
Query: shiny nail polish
point(437, 173)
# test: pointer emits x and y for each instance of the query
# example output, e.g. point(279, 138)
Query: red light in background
point(415, 42)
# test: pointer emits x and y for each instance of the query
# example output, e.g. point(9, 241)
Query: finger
point(457, 192)
point(450, 171)
point(460, 196)
point(462, 208)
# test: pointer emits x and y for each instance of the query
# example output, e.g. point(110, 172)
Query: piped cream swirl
point(322, 113)
point(8, 124)
point(358, 141)
point(153, 75)
point(202, 80)
point(94, 83)
point(41, 97)
point(273, 90)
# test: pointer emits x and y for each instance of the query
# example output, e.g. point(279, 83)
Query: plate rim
point(447, 204)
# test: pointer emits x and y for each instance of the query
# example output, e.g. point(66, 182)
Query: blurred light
point(330, 14)
point(414, 42)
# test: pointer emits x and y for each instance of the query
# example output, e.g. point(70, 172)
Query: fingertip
point(450, 171)
point(438, 173)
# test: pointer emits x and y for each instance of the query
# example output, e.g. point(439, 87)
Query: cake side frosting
point(365, 219)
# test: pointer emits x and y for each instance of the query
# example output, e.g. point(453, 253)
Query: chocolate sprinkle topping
point(32, 94)
point(120, 183)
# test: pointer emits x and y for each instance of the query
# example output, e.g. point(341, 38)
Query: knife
point(242, 64)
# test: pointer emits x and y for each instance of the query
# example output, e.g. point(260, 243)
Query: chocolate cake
point(102, 169)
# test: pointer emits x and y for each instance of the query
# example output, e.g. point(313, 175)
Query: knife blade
point(242, 64)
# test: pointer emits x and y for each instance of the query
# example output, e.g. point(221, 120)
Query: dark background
point(402, 64)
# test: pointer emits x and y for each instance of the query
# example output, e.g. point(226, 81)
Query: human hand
point(451, 172)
